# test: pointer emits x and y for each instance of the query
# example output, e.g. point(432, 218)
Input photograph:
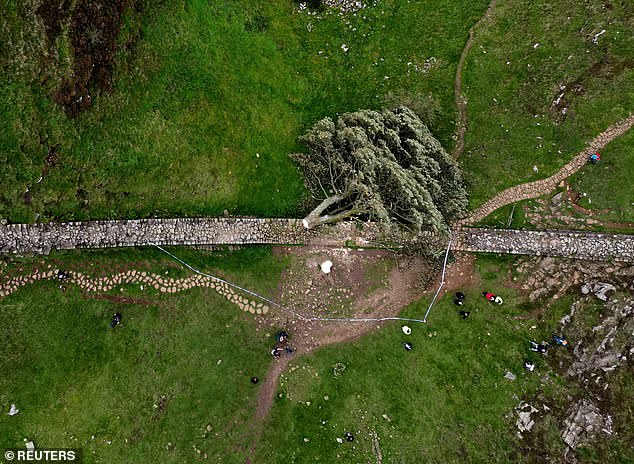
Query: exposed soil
point(54, 14)
point(120, 299)
point(354, 287)
point(94, 27)
point(607, 68)
point(574, 198)
point(401, 286)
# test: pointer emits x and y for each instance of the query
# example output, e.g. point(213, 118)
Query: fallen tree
point(382, 166)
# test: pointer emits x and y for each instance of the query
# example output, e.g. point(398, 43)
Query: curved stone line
point(134, 277)
point(543, 186)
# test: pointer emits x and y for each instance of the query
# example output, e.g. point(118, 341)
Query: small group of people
point(459, 299)
point(281, 345)
point(493, 298)
point(542, 348)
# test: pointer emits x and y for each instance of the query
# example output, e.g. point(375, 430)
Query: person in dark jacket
point(116, 320)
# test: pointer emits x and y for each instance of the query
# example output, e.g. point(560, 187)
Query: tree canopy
point(383, 166)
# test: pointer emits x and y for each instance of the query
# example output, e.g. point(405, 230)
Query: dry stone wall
point(580, 245)
point(42, 238)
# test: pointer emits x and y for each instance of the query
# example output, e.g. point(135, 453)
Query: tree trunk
point(315, 218)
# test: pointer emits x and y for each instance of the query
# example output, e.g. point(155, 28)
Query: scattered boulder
point(583, 423)
point(601, 289)
point(609, 353)
point(326, 266)
point(524, 422)
point(557, 199)
point(13, 410)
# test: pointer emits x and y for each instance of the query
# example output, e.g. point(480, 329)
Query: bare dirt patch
point(361, 284)
point(94, 28)
point(121, 299)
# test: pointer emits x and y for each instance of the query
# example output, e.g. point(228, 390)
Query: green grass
point(511, 85)
point(617, 162)
point(74, 378)
point(202, 92)
point(445, 401)
point(500, 218)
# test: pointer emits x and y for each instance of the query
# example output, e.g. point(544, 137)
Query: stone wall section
point(580, 245)
point(42, 238)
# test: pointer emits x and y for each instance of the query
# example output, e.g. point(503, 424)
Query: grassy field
point(209, 98)
point(445, 401)
point(617, 162)
point(171, 380)
point(513, 78)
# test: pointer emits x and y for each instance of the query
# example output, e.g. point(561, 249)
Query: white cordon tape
point(442, 279)
point(314, 318)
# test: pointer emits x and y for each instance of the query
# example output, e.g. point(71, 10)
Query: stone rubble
point(584, 423)
point(599, 289)
point(616, 332)
point(553, 277)
point(524, 421)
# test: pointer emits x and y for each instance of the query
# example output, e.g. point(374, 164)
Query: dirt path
point(400, 289)
point(387, 300)
point(541, 187)
point(461, 99)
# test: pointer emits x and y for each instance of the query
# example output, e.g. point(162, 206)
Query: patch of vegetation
point(529, 55)
point(382, 166)
point(608, 185)
point(171, 380)
point(446, 401)
point(208, 100)
point(507, 217)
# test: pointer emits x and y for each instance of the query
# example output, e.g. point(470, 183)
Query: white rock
point(13, 411)
point(326, 266)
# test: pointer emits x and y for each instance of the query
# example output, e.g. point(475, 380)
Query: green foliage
point(513, 77)
point(386, 166)
point(201, 88)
